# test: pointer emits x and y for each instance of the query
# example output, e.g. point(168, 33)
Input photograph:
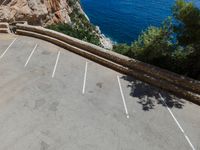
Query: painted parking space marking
point(85, 77)
point(123, 99)
point(54, 70)
point(7, 48)
point(30, 55)
point(178, 124)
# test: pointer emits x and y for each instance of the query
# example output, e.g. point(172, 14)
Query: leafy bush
point(188, 34)
point(79, 33)
point(123, 49)
point(80, 28)
point(72, 2)
point(173, 46)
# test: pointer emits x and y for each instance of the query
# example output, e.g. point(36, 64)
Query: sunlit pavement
point(52, 99)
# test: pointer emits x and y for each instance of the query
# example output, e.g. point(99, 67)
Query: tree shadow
point(149, 96)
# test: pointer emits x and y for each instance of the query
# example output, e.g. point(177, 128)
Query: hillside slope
point(48, 12)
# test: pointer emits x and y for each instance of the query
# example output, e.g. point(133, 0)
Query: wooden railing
point(179, 85)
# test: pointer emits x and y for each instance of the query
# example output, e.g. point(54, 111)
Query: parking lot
point(52, 99)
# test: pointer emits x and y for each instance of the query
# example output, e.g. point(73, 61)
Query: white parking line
point(85, 77)
point(54, 70)
point(124, 102)
point(7, 48)
point(30, 55)
point(185, 135)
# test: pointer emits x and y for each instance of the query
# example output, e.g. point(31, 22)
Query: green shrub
point(173, 46)
point(82, 34)
point(80, 28)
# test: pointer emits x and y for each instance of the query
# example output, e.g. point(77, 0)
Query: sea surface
point(123, 20)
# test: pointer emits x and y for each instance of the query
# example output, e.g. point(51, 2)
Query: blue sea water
point(123, 20)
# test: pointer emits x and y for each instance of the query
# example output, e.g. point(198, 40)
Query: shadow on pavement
point(148, 96)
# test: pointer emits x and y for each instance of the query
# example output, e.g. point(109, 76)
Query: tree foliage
point(154, 45)
point(187, 30)
point(174, 46)
point(188, 22)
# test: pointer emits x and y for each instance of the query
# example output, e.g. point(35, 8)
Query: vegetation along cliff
point(174, 46)
point(64, 16)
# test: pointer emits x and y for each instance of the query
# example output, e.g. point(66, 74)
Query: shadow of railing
point(149, 96)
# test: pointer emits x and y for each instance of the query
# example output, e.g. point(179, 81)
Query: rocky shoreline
point(106, 42)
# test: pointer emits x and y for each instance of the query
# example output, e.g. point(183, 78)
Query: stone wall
point(171, 82)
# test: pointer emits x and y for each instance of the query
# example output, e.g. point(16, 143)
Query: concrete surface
point(45, 113)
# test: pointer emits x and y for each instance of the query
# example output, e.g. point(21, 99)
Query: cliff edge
point(36, 12)
point(44, 13)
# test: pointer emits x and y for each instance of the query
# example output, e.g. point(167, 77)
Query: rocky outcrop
point(36, 12)
point(44, 13)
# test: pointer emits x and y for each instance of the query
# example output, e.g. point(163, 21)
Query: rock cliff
point(38, 12)
point(44, 13)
